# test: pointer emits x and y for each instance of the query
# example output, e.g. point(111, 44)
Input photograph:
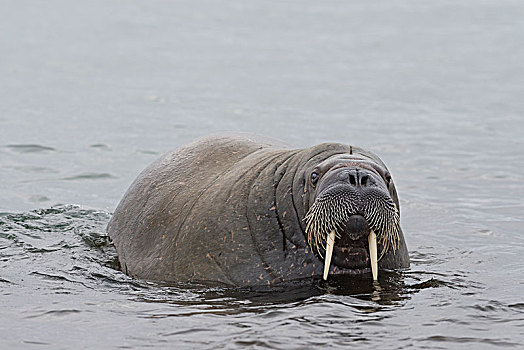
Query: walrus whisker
point(329, 213)
point(317, 240)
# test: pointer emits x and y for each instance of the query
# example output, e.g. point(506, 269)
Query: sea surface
point(91, 92)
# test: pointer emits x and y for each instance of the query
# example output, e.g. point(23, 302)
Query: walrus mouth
point(334, 215)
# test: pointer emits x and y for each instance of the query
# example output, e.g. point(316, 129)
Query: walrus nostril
point(364, 180)
point(352, 180)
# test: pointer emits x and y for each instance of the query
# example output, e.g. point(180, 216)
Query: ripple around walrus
point(65, 252)
point(68, 244)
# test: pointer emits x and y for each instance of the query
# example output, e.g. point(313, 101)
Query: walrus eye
point(388, 179)
point(314, 177)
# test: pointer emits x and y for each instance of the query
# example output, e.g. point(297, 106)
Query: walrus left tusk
point(372, 241)
point(329, 252)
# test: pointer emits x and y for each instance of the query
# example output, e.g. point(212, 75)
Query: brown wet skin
point(230, 210)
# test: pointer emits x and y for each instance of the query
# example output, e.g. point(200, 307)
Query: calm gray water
point(91, 92)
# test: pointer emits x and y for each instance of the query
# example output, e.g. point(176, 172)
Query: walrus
point(240, 211)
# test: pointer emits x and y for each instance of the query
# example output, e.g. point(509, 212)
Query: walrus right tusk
point(329, 252)
point(372, 241)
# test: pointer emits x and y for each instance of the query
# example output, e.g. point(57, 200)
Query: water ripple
point(30, 148)
point(90, 176)
point(65, 253)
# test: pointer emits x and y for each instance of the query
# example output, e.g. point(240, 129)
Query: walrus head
point(353, 217)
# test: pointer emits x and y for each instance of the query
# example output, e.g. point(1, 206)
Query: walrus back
point(145, 224)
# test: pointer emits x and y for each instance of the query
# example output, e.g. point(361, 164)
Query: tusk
point(329, 252)
point(372, 240)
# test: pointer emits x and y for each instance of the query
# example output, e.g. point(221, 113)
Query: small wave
point(67, 235)
point(145, 151)
point(462, 340)
point(101, 146)
point(35, 169)
point(56, 313)
point(91, 176)
point(30, 148)
point(51, 277)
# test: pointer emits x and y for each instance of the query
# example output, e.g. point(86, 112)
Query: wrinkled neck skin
point(280, 241)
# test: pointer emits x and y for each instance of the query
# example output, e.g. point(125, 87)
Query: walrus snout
point(356, 228)
point(353, 211)
point(351, 248)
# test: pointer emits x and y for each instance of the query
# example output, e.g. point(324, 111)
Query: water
point(92, 92)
